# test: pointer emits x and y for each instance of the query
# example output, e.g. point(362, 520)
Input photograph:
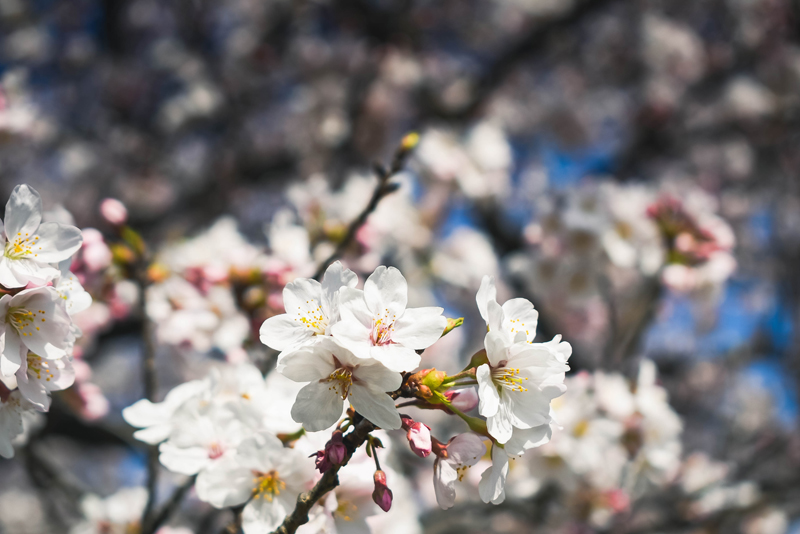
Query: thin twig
point(170, 507)
point(382, 189)
point(150, 383)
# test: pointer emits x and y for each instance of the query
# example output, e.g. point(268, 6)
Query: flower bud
point(335, 449)
point(322, 463)
point(382, 495)
point(114, 211)
point(433, 378)
point(419, 436)
point(463, 400)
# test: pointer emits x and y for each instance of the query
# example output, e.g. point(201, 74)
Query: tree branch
point(382, 189)
point(329, 480)
point(170, 507)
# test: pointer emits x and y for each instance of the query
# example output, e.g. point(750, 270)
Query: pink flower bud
point(464, 400)
point(114, 211)
point(419, 436)
point(335, 449)
point(322, 463)
point(382, 495)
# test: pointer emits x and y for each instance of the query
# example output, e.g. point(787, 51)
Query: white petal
point(186, 461)
point(11, 359)
point(396, 357)
point(336, 277)
point(307, 364)
point(419, 328)
point(520, 317)
point(377, 376)
point(496, 344)
point(283, 332)
point(27, 271)
point(7, 276)
point(351, 334)
point(302, 297)
point(522, 440)
point(56, 242)
point(376, 406)
point(499, 425)
point(466, 449)
point(23, 212)
point(225, 483)
point(317, 406)
point(386, 292)
point(444, 483)
point(496, 316)
point(33, 390)
point(486, 292)
point(493, 481)
point(489, 399)
point(261, 516)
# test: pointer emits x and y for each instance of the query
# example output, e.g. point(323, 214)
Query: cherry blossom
point(376, 324)
point(311, 310)
point(262, 475)
point(335, 374)
point(451, 464)
point(36, 320)
point(31, 246)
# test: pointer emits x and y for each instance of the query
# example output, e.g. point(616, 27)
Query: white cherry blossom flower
point(376, 324)
point(517, 385)
point(37, 376)
point(512, 322)
point(155, 418)
point(120, 512)
point(36, 320)
point(335, 374)
point(521, 378)
point(311, 309)
point(462, 452)
point(201, 437)
point(30, 247)
point(263, 474)
point(12, 406)
point(75, 297)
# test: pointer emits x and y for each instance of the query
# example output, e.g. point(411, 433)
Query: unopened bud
point(335, 449)
point(464, 400)
point(382, 495)
point(418, 435)
point(322, 463)
point(410, 141)
point(114, 211)
point(433, 378)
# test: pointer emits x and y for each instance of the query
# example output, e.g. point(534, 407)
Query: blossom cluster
point(40, 296)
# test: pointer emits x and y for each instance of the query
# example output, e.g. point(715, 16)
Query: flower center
point(22, 319)
point(313, 318)
point(37, 366)
point(507, 378)
point(267, 485)
point(346, 510)
point(382, 329)
point(461, 470)
point(215, 451)
point(22, 246)
point(340, 380)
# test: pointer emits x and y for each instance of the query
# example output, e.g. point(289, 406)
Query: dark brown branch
point(149, 379)
point(382, 189)
point(305, 501)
